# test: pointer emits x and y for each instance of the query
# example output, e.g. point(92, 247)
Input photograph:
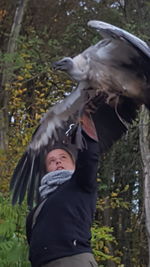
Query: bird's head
point(65, 64)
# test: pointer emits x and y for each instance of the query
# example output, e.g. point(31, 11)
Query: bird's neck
point(80, 68)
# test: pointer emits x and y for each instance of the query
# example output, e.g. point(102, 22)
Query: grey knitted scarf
point(52, 180)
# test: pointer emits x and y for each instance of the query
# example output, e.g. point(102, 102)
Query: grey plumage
point(114, 76)
point(117, 65)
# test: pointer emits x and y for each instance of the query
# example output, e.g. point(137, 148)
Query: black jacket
point(63, 225)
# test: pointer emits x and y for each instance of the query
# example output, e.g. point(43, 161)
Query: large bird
point(113, 81)
point(117, 65)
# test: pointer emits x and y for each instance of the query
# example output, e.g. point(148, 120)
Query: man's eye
point(51, 161)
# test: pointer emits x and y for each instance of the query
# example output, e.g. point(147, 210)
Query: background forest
point(48, 30)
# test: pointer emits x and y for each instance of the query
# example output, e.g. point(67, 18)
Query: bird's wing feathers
point(110, 31)
point(55, 118)
point(29, 170)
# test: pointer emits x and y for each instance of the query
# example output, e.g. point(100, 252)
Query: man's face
point(59, 159)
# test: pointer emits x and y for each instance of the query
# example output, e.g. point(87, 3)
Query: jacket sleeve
point(87, 164)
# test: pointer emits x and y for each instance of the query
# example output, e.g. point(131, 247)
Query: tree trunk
point(107, 222)
point(145, 153)
point(7, 73)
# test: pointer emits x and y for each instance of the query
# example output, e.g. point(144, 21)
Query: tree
point(144, 127)
point(8, 71)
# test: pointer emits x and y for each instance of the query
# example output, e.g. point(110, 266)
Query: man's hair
point(69, 148)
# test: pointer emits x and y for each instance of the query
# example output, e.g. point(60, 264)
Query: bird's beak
point(56, 65)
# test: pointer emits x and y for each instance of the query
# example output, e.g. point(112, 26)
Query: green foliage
point(120, 190)
point(13, 247)
point(102, 236)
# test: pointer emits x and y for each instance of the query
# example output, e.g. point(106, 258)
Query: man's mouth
point(59, 168)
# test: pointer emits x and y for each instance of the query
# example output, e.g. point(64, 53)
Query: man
point(59, 159)
point(58, 230)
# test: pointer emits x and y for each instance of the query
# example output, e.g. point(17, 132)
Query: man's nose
point(58, 161)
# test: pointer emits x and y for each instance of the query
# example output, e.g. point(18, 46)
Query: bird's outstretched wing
point(110, 31)
point(54, 124)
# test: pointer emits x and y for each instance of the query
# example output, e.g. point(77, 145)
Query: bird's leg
point(111, 98)
point(118, 115)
